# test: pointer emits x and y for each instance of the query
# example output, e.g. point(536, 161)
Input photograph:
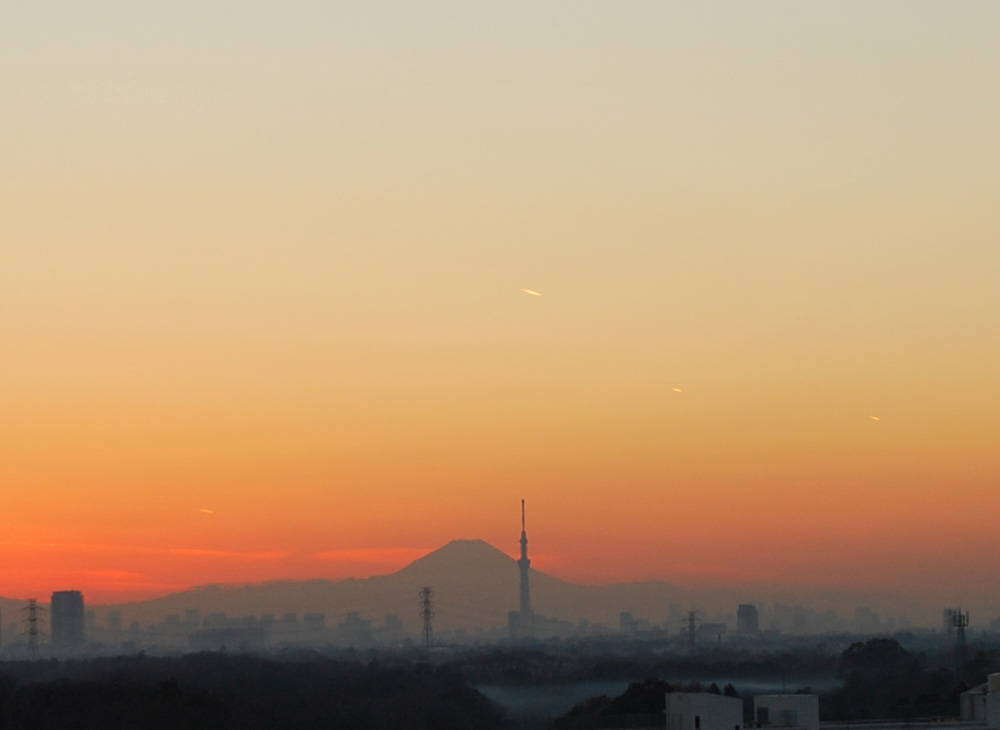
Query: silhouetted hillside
point(475, 586)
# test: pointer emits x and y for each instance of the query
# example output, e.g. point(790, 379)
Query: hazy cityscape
point(461, 595)
point(562, 365)
point(537, 671)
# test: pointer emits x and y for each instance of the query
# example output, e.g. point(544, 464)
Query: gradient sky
point(262, 307)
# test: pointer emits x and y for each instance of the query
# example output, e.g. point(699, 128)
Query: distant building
point(867, 621)
point(314, 621)
point(627, 623)
point(711, 632)
point(747, 619)
point(703, 711)
point(353, 631)
point(67, 617)
point(800, 712)
point(392, 631)
point(313, 629)
point(115, 621)
point(215, 621)
point(982, 703)
point(234, 638)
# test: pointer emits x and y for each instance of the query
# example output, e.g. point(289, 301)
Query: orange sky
point(263, 309)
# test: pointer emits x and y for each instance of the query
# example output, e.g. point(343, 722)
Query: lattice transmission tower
point(31, 616)
point(426, 614)
point(691, 622)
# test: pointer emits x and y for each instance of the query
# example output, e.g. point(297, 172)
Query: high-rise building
point(67, 617)
point(747, 619)
point(867, 621)
point(115, 622)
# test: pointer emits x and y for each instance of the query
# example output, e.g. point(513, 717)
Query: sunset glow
point(261, 309)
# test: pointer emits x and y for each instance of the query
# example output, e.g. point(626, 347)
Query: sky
point(309, 289)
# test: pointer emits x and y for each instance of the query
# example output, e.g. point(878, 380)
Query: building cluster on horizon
point(979, 709)
point(72, 626)
point(67, 621)
point(712, 711)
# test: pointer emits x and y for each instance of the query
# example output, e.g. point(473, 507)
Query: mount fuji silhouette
point(475, 586)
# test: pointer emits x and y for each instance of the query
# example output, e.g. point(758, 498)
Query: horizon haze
point(475, 588)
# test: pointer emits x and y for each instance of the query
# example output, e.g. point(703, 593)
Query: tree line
point(219, 692)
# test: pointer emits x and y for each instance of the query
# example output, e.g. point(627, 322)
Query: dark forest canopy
point(879, 678)
point(220, 692)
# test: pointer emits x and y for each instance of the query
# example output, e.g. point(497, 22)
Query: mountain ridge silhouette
point(475, 587)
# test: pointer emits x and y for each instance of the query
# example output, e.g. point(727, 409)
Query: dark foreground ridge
point(219, 692)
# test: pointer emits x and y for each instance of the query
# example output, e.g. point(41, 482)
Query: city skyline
point(309, 291)
point(478, 598)
point(478, 588)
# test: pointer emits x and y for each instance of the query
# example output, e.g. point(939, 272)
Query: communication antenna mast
point(948, 620)
point(691, 628)
point(960, 621)
point(427, 613)
point(31, 611)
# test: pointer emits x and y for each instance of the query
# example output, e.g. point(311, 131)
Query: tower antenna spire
point(524, 615)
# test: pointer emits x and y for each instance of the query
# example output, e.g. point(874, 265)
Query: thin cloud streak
point(402, 555)
point(130, 550)
point(230, 554)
